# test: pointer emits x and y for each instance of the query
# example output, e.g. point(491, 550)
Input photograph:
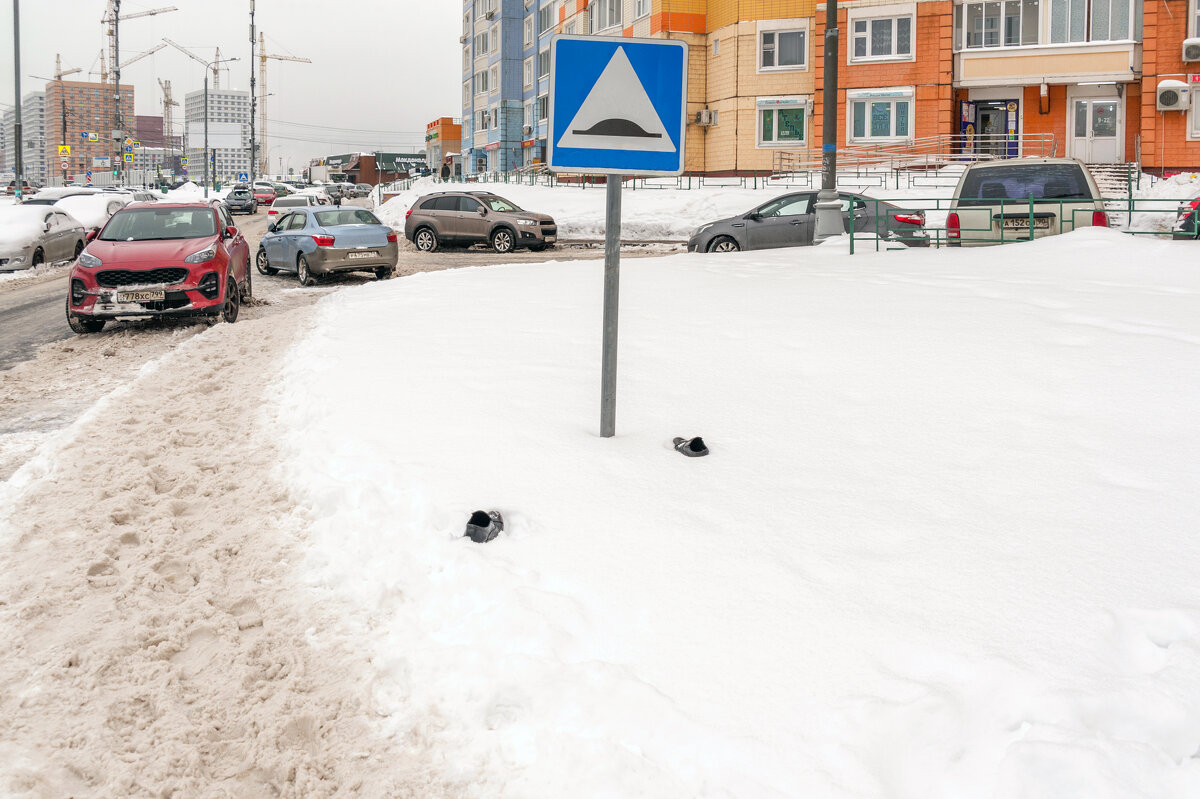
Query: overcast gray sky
point(381, 69)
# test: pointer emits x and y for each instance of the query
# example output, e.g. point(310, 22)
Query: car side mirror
point(271, 228)
point(46, 229)
point(230, 232)
point(92, 234)
point(482, 211)
point(754, 215)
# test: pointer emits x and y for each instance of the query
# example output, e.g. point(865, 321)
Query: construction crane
point(140, 56)
point(207, 65)
point(168, 116)
point(59, 74)
point(109, 21)
point(262, 79)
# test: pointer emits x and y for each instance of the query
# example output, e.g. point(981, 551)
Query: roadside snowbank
point(944, 546)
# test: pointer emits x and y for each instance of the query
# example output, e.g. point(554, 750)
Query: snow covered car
point(1187, 220)
point(94, 210)
point(162, 260)
point(315, 240)
point(31, 235)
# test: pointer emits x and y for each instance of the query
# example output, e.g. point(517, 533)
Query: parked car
point(31, 235)
point(995, 201)
point(93, 210)
point(241, 200)
point(1187, 220)
point(363, 189)
point(476, 217)
point(333, 192)
point(264, 193)
point(790, 221)
point(314, 241)
point(164, 260)
point(51, 195)
point(283, 190)
point(284, 204)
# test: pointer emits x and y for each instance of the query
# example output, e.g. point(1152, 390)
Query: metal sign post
point(618, 107)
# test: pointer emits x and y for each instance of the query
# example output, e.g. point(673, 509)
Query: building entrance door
point(1096, 136)
point(990, 134)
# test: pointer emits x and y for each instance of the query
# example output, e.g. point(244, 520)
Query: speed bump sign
point(64, 151)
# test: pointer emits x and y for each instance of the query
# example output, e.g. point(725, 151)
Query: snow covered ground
point(944, 546)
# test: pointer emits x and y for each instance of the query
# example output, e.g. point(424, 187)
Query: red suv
point(264, 194)
point(165, 259)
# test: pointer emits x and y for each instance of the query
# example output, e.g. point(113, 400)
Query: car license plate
point(1039, 223)
point(551, 239)
point(141, 296)
point(371, 254)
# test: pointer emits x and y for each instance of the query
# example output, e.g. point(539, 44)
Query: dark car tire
point(233, 302)
point(302, 272)
point(724, 244)
point(425, 239)
point(385, 273)
point(263, 265)
point(248, 290)
point(78, 249)
point(503, 240)
point(38, 258)
point(80, 324)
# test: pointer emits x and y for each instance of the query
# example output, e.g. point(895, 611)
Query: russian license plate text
point(141, 296)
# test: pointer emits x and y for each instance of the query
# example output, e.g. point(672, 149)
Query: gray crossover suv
point(476, 217)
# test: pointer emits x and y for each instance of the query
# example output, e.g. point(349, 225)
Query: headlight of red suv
point(202, 257)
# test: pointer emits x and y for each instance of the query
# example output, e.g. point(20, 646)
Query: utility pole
point(118, 130)
point(253, 99)
point(18, 133)
point(828, 205)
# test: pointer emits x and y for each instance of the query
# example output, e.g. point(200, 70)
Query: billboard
point(221, 135)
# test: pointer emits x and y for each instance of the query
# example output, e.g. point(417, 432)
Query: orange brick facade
point(1165, 145)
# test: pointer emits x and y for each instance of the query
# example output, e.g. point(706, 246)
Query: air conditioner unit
point(704, 117)
point(489, 14)
point(1172, 95)
point(464, 38)
point(526, 130)
point(1191, 49)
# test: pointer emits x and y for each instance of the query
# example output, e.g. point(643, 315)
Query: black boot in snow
point(692, 447)
point(483, 527)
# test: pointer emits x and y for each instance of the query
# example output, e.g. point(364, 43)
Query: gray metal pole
point(829, 206)
point(253, 99)
point(119, 125)
point(206, 133)
point(612, 284)
point(18, 133)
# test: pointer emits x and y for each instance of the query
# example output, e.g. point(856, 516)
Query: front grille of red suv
point(116, 278)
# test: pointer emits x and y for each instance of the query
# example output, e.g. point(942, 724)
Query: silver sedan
point(317, 240)
point(31, 235)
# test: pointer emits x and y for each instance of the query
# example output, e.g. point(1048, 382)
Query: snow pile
point(189, 193)
point(944, 546)
point(21, 224)
point(1157, 202)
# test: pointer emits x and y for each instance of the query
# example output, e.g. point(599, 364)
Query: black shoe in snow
point(483, 527)
point(692, 447)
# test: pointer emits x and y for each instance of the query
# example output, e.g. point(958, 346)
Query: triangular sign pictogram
point(618, 114)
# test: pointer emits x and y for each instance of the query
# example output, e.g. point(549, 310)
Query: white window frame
point(481, 44)
point(1194, 21)
point(960, 31)
point(543, 57)
point(529, 37)
point(528, 73)
point(716, 47)
point(802, 103)
point(494, 79)
point(868, 15)
point(776, 27)
point(641, 8)
point(882, 94)
point(481, 82)
point(1088, 20)
point(601, 13)
point(550, 18)
point(495, 34)
point(542, 106)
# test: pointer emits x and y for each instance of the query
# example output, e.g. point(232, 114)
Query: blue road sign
point(83, 135)
point(89, 173)
point(617, 106)
point(128, 148)
point(243, 177)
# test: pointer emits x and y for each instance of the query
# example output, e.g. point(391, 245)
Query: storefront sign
point(780, 101)
point(493, 146)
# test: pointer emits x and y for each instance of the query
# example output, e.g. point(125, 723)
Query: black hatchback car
point(241, 200)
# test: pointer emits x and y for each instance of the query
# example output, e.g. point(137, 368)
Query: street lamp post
point(829, 206)
point(18, 132)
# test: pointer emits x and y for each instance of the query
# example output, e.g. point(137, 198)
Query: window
point(880, 114)
point(995, 24)
point(545, 19)
point(543, 63)
point(569, 28)
point(780, 122)
point(528, 72)
point(529, 113)
point(790, 205)
point(881, 37)
point(495, 32)
point(604, 14)
point(716, 47)
point(481, 82)
point(641, 8)
point(542, 105)
point(467, 22)
point(1069, 20)
point(494, 79)
point(483, 120)
point(481, 44)
point(528, 31)
point(782, 49)
point(466, 59)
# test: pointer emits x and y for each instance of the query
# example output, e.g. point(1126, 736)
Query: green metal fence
point(990, 221)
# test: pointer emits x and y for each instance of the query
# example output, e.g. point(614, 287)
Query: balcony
point(1119, 61)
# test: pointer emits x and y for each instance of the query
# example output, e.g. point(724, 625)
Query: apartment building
point(85, 108)
point(228, 114)
point(1001, 77)
point(33, 135)
point(443, 143)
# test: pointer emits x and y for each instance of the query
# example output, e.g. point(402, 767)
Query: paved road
point(31, 314)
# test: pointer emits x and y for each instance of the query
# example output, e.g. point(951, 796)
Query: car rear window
point(346, 216)
point(441, 204)
point(1022, 181)
point(288, 202)
point(151, 224)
